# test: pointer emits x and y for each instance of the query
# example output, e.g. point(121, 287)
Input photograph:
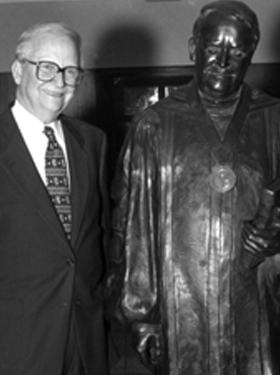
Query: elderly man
point(200, 296)
point(53, 215)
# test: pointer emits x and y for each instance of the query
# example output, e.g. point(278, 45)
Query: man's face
point(46, 100)
point(222, 56)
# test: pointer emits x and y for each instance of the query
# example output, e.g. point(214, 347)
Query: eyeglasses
point(48, 70)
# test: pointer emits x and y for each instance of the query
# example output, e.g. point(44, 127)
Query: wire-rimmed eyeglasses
point(47, 71)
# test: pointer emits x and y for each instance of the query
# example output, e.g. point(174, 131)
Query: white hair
point(24, 44)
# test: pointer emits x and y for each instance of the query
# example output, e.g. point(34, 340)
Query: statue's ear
point(192, 49)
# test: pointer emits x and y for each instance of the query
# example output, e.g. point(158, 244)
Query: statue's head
point(224, 39)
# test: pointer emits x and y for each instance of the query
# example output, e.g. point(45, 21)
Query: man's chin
point(54, 104)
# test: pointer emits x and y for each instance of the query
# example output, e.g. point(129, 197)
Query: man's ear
point(192, 49)
point(16, 70)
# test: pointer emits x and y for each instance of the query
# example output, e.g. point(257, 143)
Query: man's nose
point(59, 79)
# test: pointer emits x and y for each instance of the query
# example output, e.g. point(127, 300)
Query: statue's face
point(222, 56)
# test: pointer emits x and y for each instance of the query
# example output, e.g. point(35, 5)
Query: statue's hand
point(149, 343)
point(262, 241)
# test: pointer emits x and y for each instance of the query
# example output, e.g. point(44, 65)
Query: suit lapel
point(79, 175)
point(17, 161)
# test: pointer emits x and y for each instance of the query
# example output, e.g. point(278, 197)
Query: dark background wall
point(126, 33)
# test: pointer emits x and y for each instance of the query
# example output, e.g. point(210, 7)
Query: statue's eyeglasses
point(47, 71)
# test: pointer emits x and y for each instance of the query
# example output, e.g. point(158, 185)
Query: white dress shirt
point(32, 131)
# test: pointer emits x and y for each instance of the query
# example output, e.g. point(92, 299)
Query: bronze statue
point(193, 275)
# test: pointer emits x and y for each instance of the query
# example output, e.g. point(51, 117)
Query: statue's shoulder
point(171, 103)
point(261, 100)
point(179, 101)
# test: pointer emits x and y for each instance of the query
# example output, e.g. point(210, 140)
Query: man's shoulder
point(90, 137)
point(6, 114)
point(81, 127)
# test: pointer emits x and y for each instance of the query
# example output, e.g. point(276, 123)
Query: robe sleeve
point(133, 279)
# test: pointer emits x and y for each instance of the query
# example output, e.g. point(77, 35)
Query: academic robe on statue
point(177, 257)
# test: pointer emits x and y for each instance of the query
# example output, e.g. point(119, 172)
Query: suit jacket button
point(70, 262)
point(65, 304)
point(78, 302)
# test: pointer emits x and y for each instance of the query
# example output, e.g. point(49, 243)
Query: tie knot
point(49, 133)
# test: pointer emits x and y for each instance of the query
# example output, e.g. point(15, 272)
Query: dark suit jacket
point(42, 276)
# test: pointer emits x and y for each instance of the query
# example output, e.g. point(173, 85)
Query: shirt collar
point(26, 119)
point(28, 122)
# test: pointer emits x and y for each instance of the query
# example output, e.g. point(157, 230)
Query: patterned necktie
point(57, 181)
